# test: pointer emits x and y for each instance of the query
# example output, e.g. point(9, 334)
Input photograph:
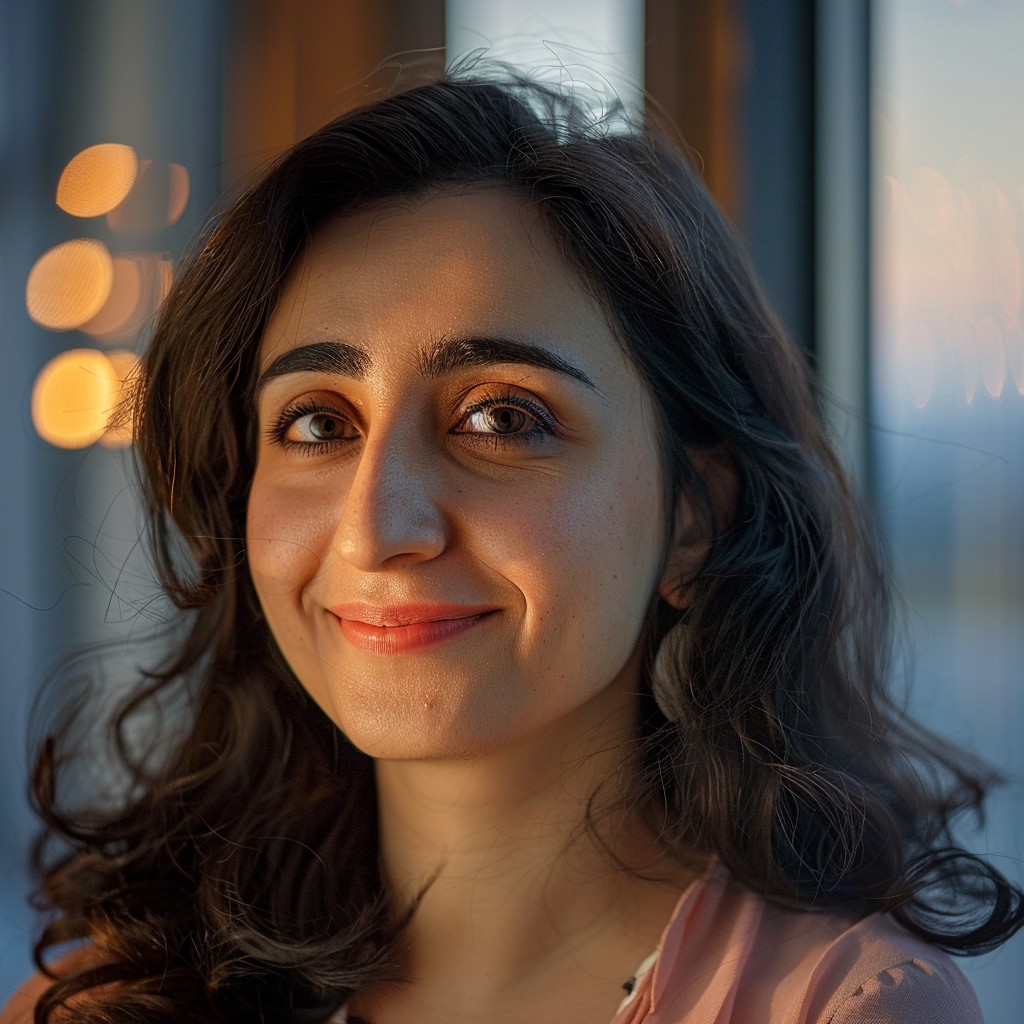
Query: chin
point(426, 722)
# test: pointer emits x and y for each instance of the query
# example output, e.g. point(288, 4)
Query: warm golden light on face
point(73, 396)
point(428, 507)
point(69, 284)
point(97, 179)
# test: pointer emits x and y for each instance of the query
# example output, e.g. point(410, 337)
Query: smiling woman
point(430, 460)
point(536, 645)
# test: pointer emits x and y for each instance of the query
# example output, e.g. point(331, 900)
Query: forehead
point(452, 263)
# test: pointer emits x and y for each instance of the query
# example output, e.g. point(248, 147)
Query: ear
point(693, 530)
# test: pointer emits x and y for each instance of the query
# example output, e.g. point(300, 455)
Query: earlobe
point(694, 529)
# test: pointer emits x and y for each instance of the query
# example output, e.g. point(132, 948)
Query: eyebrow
point(456, 353)
point(319, 357)
point(445, 357)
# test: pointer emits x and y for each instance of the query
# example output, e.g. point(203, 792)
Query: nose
point(389, 512)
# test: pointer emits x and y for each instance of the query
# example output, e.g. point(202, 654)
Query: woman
point(536, 645)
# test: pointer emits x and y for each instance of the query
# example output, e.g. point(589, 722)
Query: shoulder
point(878, 972)
point(20, 1007)
point(731, 955)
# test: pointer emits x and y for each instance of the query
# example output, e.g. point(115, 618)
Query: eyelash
point(277, 433)
point(544, 426)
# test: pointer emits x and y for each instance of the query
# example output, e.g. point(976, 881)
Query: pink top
point(728, 956)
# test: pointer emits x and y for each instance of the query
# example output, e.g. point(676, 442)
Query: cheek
point(586, 556)
point(608, 552)
point(288, 531)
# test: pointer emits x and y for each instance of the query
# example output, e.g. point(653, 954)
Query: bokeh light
point(158, 198)
point(951, 285)
point(1015, 352)
point(97, 179)
point(177, 190)
point(69, 284)
point(73, 397)
point(120, 434)
point(965, 352)
point(916, 356)
point(140, 286)
point(120, 313)
point(165, 278)
point(991, 356)
point(141, 283)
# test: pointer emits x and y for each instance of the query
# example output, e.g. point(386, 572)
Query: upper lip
point(405, 614)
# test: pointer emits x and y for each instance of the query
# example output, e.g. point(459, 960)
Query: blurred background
point(871, 152)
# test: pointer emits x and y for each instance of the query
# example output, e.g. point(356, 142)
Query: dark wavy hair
point(233, 869)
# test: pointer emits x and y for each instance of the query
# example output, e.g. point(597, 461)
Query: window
point(947, 386)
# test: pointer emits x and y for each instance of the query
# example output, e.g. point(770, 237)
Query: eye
point(311, 427)
point(498, 419)
point(508, 417)
point(320, 426)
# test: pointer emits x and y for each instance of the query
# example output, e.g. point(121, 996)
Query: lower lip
point(416, 636)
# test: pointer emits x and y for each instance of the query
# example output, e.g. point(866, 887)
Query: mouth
point(406, 629)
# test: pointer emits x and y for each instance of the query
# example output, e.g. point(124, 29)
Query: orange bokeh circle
point(97, 179)
point(73, 397)
point(69, 284)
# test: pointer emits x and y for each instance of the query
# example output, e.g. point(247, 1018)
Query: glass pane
point(948, 387)
point(597, 46)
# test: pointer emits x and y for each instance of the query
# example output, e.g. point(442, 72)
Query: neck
point(503, 849)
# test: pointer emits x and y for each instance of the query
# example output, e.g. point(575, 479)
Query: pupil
point(324, 426)
point(506, 420)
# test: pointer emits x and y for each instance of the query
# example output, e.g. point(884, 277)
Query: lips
point(406, 629)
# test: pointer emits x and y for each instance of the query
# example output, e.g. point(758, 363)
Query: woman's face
point(456, 523)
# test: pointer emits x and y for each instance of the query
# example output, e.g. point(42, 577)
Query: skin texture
point(488, 743)
point(411, 512)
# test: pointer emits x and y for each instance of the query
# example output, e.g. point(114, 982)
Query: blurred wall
point(948, 391)
point(696, 65)
point(294, 65)
point(75, 73)
point(26, 67)
point(736, 79)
